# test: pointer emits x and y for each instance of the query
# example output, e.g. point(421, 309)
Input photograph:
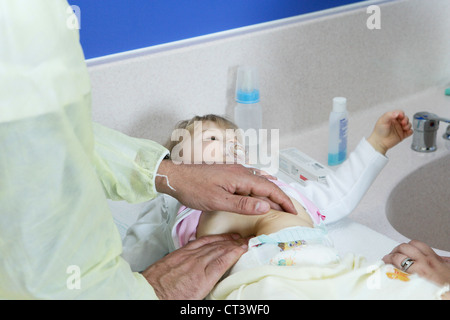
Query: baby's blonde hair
point(221, 122)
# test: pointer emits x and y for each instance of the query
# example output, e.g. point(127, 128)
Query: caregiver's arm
point(233, 188)
point(427, 263)
point(125, 165)
point(57, 237)
point(193, 270)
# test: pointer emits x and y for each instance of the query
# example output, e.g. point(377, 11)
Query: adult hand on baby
point(390, 129)
point(193, 270)
point(427, 263)
point(222, 187)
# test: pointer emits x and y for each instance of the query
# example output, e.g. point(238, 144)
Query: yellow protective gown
point(57, 236)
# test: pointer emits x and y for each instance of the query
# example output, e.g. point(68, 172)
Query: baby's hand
point(390, 129)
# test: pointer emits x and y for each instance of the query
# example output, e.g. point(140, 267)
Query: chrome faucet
point(446, 135)
point(425, 126)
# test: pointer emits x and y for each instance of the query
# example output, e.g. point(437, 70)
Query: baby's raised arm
point(391, 128)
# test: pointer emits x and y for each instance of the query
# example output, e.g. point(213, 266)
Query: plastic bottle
point(338, 130)
point(248, 111)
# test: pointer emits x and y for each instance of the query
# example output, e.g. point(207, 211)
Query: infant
point(289, 256)
point(277, 237)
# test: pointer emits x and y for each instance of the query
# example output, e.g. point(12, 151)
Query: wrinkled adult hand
point(427, 263)
point(193, 270)
point(222, 187)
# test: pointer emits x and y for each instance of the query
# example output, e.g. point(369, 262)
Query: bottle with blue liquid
point(248, 111)
point(338, 130)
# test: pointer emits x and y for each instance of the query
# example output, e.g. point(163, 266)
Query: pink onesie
point(186, 229)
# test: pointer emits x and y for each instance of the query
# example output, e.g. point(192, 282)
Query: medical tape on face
point(236, 151)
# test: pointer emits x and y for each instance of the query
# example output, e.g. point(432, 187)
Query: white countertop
point(402, 159)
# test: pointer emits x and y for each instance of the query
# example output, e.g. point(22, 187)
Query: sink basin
point(419, 206)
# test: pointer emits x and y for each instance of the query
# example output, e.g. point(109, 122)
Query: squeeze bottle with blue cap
point(338, 130)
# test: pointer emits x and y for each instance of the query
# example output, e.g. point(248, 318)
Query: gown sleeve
point(57, 235)
point(125, 165)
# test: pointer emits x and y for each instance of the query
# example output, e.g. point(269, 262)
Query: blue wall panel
point(112, 26)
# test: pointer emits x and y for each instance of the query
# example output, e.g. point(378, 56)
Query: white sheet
point(352, 237)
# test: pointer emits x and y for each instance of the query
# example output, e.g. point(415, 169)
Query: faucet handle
point(425, 125)
point(432, 116)
point(426, 121)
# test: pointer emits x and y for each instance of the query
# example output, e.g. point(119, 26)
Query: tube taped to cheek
point(235, 151)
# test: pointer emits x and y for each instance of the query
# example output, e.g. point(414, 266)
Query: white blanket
point(352, 278)
point(352, 237)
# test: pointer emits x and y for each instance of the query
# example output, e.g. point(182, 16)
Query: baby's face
point(212, 144)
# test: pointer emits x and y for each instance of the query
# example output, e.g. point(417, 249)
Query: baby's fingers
point(405, 123)
point(402, 119)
